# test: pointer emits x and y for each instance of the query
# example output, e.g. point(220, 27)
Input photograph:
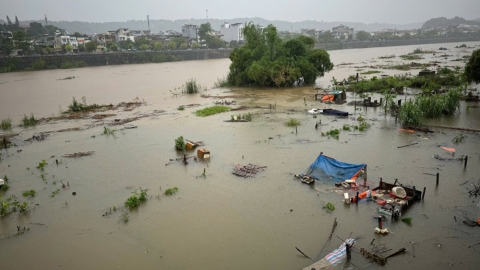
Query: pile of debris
point(249, 170)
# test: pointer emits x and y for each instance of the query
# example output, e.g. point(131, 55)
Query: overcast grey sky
point(367, 11)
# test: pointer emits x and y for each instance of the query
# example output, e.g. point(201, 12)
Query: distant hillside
point(444, 22)
point(176, 25)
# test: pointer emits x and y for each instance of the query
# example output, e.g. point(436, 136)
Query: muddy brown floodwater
point(221, 221)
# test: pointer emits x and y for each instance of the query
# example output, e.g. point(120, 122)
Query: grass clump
point(335, 133)
point(171, 191)
point(29, 193)
point(329, 207)
point(6, 124)
point(221, 82)
point(55, 192)
point(180, 144)
point(29, 121)
point(407, 220)
point(42, 164)
point(137, 198)
point(370, 72)
point(212, 110)
point(76, 106)
point(108, 131)
point(192, 87)
point(181, 108)
point(292, 122)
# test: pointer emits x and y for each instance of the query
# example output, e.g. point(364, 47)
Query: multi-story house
point(123, 34)
point(232, 31)
point(190, 31)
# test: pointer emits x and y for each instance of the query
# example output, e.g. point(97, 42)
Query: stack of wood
point(249, 170)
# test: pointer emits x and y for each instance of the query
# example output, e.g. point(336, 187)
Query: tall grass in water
point(410, 114)
point(29, 121)
point(192, 87)
point(6, 124)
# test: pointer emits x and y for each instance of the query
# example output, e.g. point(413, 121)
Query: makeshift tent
point(328, 168)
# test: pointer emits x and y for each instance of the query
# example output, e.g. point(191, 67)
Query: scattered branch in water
point(78, 154)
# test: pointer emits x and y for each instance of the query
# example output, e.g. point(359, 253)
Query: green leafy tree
point(204, 30)
point(265, 60)
point(158, 46)
point(143, 47)
point(472, 68)
point(141, 41)
point(36, 30)
point(172, 45)
point(114, 47)
point(20, 40)
point(195, 45)
point(363, 35)
point(91, 46)
point(183, 46)
point(68, 48)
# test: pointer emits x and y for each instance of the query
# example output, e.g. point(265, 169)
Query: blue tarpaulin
point(328, 168)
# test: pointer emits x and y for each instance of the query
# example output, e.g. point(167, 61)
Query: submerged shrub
point(292, 122)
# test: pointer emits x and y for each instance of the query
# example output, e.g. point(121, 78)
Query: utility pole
point(207, 15)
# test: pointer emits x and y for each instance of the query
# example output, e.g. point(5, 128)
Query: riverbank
point(66, 61)
point(391, 43)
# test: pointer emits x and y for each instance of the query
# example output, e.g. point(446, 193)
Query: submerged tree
point(266, 61)
point(472, 69)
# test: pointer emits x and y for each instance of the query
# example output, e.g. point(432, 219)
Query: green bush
point(180, 144)
point(137, 198)
point(171, 191)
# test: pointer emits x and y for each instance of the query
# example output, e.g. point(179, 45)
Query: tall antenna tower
point(46, 21)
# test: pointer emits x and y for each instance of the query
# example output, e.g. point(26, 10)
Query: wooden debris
point(407, 145)
point(303, 253)
point(78, 154)
point(249, 170)
point(475, 191)
point(39, 137)
point(333, 228)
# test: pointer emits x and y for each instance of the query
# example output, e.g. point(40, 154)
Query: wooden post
point(465, 165)
point(380, 223)
point(423, 194)
point(356, 198)
point(438, 176)
point(296, 131)
point(380, 183)
point(349, 253)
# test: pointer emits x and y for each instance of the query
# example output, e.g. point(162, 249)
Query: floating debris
point(249, 170)
point(78, 154)
point(475, 191)
point(39, 137)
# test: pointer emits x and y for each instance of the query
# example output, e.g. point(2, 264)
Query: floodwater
point(221, 221)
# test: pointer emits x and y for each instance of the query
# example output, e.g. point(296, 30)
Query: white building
point(190, 31)
point(233, 31)
point(62, 39)
point(123, 34)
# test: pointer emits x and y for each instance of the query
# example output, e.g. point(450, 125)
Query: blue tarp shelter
point(328, 168)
